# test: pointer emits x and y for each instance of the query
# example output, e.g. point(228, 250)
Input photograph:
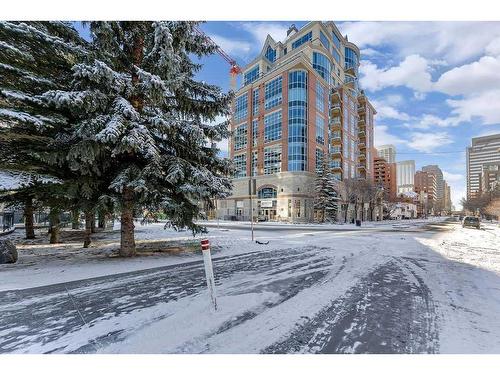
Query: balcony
point(362, 145)
point(336, 136)
point(361, 134)
point(362, 157)
point(361, 120)
point(335, 108)
point(361, 108)
point(336, 150)
point(362, 166)
point(336, 165)
point(335, 120)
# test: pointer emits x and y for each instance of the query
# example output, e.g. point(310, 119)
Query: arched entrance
point(267, 202)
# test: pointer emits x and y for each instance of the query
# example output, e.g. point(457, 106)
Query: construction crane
point(234, 69)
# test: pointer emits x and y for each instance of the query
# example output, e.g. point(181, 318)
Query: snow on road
point(417, 290)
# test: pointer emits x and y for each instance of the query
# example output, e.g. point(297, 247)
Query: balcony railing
point(336, 150)
point(335, 120)
point(336, 135)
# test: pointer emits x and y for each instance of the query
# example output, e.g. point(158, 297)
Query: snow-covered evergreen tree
point(139, 108)
point(34, 57)
point(326, 197)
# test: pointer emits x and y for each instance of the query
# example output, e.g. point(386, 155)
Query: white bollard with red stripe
point(209, 271)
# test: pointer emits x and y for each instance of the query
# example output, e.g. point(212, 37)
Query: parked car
point(471, 221)
point(262, 218)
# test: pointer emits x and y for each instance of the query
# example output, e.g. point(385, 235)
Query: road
point(389, 310)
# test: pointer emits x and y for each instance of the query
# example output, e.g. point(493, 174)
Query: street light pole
point(251, 191)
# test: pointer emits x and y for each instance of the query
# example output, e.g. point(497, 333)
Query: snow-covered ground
point(414, 289)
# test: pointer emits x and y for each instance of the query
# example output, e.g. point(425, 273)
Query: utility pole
point(252, 187)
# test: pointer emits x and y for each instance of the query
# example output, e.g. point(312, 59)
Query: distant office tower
point(482, 152)
point(425, 187)
point(385, 177)
point(405, 176)
point(447, 197)
point(490, 177)
point(299, 107)
point(388, 152)
point(436, 171)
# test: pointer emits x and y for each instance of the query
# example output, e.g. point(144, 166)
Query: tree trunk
point(75, 219)
point(88, 228)
point(54, 226)
point(101, 220)
point(127, 244)
point(92, 225)
point(28, 223)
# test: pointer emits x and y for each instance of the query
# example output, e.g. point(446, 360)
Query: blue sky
point(434, 84)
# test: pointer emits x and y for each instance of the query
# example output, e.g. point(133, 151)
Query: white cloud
point(383, 137)
point(428, 142)
point(493, 48)
point(455, 42)
point(453, 177)
point(233, 47)
point(428, 121)
point(485, 106)
point(370, 52)
point(388, 111)
point(479, 76)
point(394, 99)
point(260, 30)
point(412, 72)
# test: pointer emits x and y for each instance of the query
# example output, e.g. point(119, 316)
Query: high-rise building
point(490, 177)
point(385, 177)
point(405, 175)
point(388, 152)
point(483, 151)
point(299, 108)
point(425, 187)
point(447, 197)
point(436, 171)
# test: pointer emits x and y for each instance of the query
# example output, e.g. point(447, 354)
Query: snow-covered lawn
point(368, 290)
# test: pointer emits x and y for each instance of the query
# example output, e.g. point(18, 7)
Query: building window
point(303, 39)
point(320, 129)
point(346, 148)
point(240, 137)
point(324, 40)
point(297, 120)
point(251, 76)
point(267, 193)
point(254, 163)
point(241, 111)
point(255, 101)
point(240, 166)
point(320, 157)
point(272, 159)
point(336, 56)
point(346, 117)
point(271, 54)
point(272, 127)
point(273, 93)
point(255, 131)
point(336, 41)
point(351, 59)
point(322, 65)
point(320, 97)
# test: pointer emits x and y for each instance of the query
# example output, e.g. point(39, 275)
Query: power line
point(429, 153)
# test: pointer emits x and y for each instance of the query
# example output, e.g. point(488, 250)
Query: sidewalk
point(332, 226)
